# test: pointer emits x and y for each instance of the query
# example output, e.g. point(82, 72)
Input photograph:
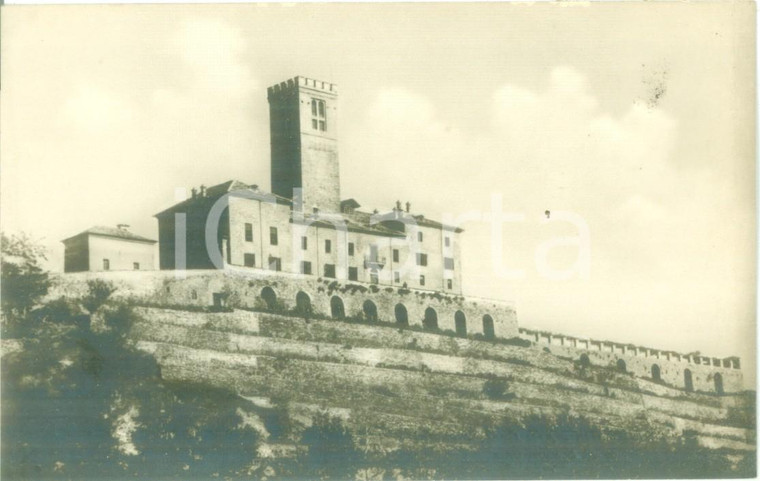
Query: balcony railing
point(374, 261)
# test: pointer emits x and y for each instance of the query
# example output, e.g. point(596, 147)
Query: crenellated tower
point(303, 123)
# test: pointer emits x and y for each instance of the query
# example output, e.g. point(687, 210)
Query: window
point(449, 284)
point(353, 274)
point(421, 259)
point(273, 236)
point(396, 277)
point(448, 263)
point(318, 115)
point(136, 266)
point(304, 243)
point(194, 294)
point(447, 241)
point(248, 232)
point(422, 280)
point(373, 276)
point(305, 267)
point(350, 248)
point(249, 260)
point(395, 255)
point(419, 236)
point(330, 270)
point(275, 264)
point(106, 264)
point(328, 246)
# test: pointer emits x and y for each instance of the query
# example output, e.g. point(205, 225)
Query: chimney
point(194, 192)
point(408, 206)
point(203, 191)
point(123, 226)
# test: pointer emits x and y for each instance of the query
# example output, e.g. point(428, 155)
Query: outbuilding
point(102, 248)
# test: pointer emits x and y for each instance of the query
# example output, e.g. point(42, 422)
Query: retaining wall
point(243, 288)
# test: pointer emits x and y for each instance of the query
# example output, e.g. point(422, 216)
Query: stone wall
point(243, 288)
point(645, 362)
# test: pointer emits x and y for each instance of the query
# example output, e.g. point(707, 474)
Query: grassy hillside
point(93, 389)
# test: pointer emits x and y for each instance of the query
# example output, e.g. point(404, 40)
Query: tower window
point(448, 263)
point(422, 280)
point(106, 264)
point(395, 255)
point(248, 232)
point(421, 259)
point(396, 277)
point(419, 236)
point(328, 246)
point(448, 241)
point(136, 266)
point(304, 243)
point(318, 115)
point(350, 248)
point(449, 284)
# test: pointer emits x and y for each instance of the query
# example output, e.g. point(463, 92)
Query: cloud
point(567, 145)
point(403, 140)
point(660, 233)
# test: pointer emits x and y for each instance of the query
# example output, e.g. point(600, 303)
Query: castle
point(304, 226)
point(304, 247)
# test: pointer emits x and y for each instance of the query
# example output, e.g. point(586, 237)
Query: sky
point(632, 124)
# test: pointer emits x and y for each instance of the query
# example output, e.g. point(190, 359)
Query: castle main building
point(303, 226)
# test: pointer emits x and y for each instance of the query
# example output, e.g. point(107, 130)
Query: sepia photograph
point(378, 241)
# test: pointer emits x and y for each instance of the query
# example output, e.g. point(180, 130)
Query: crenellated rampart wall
point(691, 372)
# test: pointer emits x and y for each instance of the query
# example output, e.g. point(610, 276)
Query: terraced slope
point(408, 389)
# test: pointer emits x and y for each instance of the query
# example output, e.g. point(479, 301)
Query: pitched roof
point(421, 220)
point(357, 221)
point(112, 232)
point(225, 187)
point(350, 203)
point(230, 187)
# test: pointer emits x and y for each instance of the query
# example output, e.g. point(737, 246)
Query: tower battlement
point(291, 85)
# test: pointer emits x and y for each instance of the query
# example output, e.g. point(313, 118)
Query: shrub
point(517, 341)
point(120, 319)
point(331, 449)
point(98, 292)
point(58, 310)
point(495, 388)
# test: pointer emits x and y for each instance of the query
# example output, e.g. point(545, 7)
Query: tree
point(79, 404)
point(98, 292)
point(24, 281)
point(332, 453)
